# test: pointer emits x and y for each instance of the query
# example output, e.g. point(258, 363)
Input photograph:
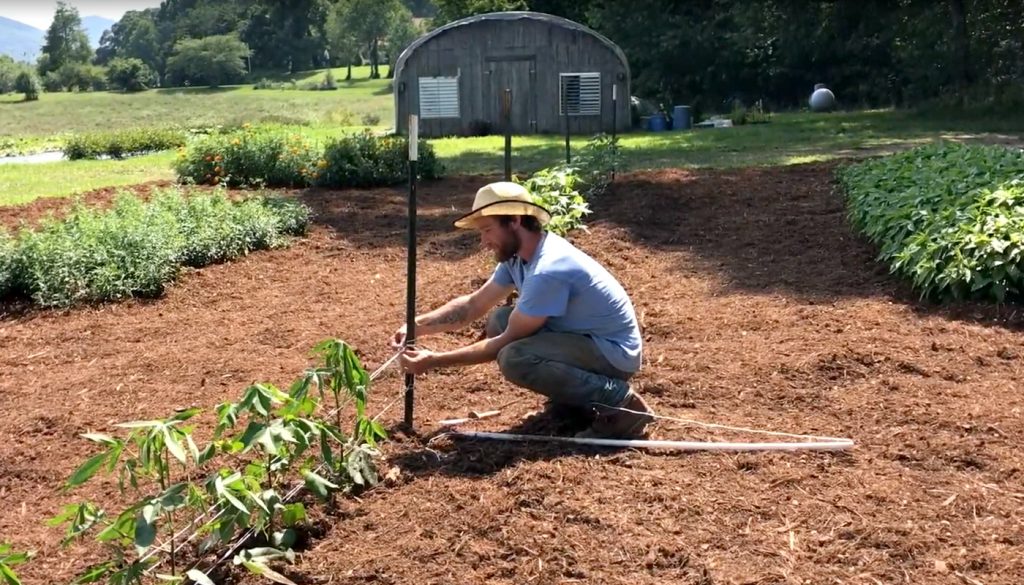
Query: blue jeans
point(567, 368)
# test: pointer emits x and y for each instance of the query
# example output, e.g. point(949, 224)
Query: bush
point(274, 159)
point(52, 82)
point(556, 189)
point(129, 74)
point(948, 217)
point(8, 263)
point(81, 77)
point(367, 160)
point(122, 143)
point(131, 250)
point(28, 84)
point(371, 119)
point(251, 158)
point(214, 60)
point(565, 190)
point(137, 248)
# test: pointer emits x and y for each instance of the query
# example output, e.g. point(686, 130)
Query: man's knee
point(497, 321)
point(515, 362)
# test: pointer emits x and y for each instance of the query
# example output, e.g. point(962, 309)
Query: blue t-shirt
point(578, 295)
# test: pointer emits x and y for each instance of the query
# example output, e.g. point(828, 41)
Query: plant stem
point(165, 478)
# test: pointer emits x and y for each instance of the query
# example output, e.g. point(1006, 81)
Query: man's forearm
point(455, 314)
point(485, 350)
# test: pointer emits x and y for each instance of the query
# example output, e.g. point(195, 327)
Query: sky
point(39, 13)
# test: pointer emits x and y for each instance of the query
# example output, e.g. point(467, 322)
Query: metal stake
point(410, 290)
point(507, 111)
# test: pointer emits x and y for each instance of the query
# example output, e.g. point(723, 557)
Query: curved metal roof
point(503, 16)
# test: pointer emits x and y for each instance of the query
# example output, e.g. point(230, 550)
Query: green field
point(789, 138)
point(39, 125)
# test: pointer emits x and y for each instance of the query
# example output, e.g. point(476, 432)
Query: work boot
point(610, 423)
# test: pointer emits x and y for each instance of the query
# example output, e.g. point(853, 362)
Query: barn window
point(439, 97)
point(580, 94)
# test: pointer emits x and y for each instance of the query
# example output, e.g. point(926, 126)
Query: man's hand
point(399, 339)
point(417, 361)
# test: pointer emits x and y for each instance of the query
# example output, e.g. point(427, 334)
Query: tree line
point(706, 53)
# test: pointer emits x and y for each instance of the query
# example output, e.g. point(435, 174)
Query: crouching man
point(572, 335)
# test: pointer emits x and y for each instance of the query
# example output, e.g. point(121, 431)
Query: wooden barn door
point(517, 75)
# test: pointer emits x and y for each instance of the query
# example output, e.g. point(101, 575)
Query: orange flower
point(218, 158)
point(236, 142)
point(322, 164)
point(209, 158)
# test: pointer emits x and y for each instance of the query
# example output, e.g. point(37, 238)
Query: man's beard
point(509, 247)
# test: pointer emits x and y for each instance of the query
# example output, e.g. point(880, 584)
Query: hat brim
point(468, 221)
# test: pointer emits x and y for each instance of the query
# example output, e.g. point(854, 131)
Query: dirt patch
point(759, 309)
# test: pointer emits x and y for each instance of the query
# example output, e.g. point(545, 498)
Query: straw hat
point(503, 198)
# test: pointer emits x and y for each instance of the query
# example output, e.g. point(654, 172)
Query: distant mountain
point(94, 27)
point(20, 41)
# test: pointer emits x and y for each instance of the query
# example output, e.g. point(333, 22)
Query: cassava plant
point(10, 559)
point(267, 439)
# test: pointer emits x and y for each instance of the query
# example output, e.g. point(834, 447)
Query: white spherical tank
point(822, 100)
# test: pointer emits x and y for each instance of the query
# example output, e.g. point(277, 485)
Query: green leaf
point(86, 470)
point(95, 573)
point(170, 578)
point(265, 571)
point(318, 485)
point(199, 577)
point(208, 453)
point(100, 438)
point(10, 578)
point(192, 448)
point(186, 414)
point(145, 528)
point(293, 514)
point(141, 424)
point(172, 444)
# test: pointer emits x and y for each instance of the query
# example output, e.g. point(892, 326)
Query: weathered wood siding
point(523, 55)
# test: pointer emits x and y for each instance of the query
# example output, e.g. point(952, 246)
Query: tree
point(133, 37)
point(341, 39)
point(287, 34)
point(66, 41)
point(370, 21)
point(129, 74)
point(452, 10)
point(209, 61)
point(402, 32)
point(9, 72)
point(28, 84)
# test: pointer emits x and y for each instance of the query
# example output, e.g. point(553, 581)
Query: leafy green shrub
point(129, 74)
point(91, 255)
point(122, 143)
point(557, 190)
point(28, 84)
point(136, 248)
point(565, 190)
point(251, 157)
point(367, 160)
point(949, 217)
point(596, 162)
point(275, 159)
point(8, 263)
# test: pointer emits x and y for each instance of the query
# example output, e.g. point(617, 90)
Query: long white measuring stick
point(671, 445)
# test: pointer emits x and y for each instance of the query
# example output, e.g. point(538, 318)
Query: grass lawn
point(22, 183)
point(787, 139)
point(39, 125)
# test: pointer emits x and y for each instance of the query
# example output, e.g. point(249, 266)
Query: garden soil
point(759, 308)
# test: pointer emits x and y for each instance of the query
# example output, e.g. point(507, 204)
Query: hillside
point(19, 41)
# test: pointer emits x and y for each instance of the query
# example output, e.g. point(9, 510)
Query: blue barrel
point(681, 118)
point(658, 123)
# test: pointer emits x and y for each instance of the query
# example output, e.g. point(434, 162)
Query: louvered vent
point(580, 94)
point(439, 97)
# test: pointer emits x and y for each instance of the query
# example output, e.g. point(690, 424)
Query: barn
point(550, 72)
